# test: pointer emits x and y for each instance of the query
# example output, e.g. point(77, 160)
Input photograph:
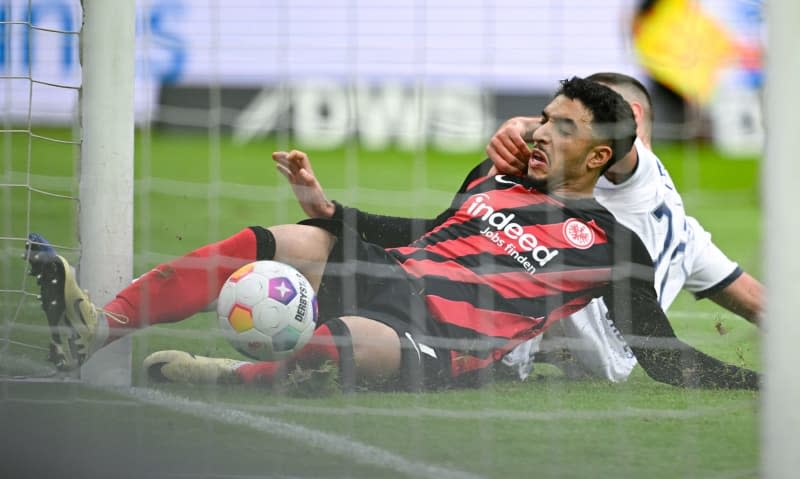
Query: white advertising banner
point(502, 45)
point(519, 44)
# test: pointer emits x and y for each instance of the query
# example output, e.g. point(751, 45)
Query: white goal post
point(780, 407)
point(106, 168)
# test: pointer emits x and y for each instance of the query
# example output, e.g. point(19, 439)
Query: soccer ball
point(267, 310)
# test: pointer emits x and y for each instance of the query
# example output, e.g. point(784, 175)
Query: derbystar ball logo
point(302, 305)
point(503, 231)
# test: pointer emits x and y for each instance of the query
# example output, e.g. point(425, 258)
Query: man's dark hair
point(612, 117)
point(625, 81)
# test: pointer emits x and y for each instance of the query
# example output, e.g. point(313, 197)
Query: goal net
point(137, 131)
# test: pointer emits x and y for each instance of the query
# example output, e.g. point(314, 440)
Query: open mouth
point(538, 156)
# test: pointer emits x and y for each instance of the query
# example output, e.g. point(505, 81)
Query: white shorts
point(594, 342)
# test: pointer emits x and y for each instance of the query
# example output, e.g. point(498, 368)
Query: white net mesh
point(394, 101)
point(40, 89)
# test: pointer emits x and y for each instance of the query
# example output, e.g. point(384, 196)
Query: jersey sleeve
point(395, 231)
point(386, 231)
point(634, 307)
point(710, 270)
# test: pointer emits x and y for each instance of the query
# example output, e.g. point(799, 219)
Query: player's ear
point(599, 156)
point(638, 111)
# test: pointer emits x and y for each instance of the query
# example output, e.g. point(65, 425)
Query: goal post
point(106, 169)
point(780, 415)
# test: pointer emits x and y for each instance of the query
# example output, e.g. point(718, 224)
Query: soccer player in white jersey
point(640, 193)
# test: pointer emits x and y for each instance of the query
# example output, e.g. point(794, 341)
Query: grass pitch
point(191, 190)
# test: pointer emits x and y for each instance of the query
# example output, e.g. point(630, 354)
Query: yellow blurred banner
point(683, 47)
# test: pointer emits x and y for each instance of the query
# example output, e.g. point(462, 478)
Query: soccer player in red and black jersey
point(506, 260)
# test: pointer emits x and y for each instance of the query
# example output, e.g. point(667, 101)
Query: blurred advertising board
point(455, 64)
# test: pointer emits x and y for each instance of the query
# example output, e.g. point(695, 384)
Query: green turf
point(191, 190)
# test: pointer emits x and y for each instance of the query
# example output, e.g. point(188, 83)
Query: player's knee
point(376, 348)
point(304, 247)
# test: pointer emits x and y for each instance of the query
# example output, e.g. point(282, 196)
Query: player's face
point(562, 143)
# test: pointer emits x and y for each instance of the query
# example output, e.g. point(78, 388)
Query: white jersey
point(683, 255)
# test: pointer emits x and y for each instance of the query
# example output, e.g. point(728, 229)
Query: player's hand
point(508, 148)
point(296, 167)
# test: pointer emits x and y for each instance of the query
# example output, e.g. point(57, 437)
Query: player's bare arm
point(296, 167)
point(745, 297)
point(383, 230)
point(661, 354)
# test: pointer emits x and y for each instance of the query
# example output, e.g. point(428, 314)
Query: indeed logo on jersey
point(503, 231)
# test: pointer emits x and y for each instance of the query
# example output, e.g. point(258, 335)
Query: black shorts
point(362, 279)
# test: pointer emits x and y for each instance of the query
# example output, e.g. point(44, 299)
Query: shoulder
point(623, 248)
point(627, 245)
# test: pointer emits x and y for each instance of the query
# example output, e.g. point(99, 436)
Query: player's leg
point(197, 277)
point(79, 327)
point(376, 348)
point(361, 348)
point(357, 275)
point(304, 247)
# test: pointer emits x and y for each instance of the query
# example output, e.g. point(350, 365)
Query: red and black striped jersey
point(510, 259)
point(507, 259)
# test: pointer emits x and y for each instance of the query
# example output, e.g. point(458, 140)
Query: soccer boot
point(70, 314)
point(182, 367)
